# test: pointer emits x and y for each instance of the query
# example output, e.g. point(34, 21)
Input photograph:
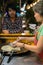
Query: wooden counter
point(12, 37)
point(16, 35)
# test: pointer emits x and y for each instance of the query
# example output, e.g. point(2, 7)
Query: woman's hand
point(18, 44)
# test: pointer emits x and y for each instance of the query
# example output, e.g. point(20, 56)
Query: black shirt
point(13, 27)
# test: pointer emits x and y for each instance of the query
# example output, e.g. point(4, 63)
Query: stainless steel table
point(21, 60)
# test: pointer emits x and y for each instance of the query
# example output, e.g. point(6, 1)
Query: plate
point(8, 48)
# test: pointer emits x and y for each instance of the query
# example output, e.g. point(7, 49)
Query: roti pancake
point(10, 48)
point(7, 48)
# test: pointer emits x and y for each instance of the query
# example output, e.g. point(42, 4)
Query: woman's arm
point(36, 48)
point(29, 39)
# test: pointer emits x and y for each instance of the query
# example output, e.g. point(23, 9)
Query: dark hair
point(39, 7)
point(12, 6)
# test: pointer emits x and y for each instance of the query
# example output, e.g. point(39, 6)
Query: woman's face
point(38, 17)
point(11, 12)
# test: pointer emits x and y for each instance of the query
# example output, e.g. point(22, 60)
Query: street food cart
point(21, 57)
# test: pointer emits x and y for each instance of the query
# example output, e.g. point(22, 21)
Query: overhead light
point(31, 5)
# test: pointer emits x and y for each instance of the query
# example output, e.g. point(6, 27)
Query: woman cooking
point(38, 48)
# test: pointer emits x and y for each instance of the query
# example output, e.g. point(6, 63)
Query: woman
point(38, 48)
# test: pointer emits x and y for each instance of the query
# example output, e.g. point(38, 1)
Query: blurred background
point(27, 14)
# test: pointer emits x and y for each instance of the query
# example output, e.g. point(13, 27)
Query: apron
point(40, 55)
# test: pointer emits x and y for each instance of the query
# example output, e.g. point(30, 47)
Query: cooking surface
point(21, 60)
